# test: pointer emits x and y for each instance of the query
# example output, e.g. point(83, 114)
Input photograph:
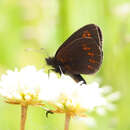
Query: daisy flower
point(30, 86)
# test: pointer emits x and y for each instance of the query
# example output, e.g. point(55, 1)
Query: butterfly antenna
point(41, 50)
point(46, 52)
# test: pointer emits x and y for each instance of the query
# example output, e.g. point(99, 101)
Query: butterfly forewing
point(82, 56)
point(90, 30)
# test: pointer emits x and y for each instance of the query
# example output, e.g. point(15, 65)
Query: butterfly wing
point(82, 56)
point(90, 30)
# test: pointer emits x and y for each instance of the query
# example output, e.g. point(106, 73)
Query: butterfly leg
point(50, 71)
point(78, 78)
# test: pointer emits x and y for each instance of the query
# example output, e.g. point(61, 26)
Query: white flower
point(23, 86)
point(73, 98)
point(29, 86)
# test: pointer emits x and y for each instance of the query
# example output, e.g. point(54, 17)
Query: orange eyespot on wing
point(90, 54)
point(90, 67)
point(84, 47)
point(86, 34)
point(92, 61)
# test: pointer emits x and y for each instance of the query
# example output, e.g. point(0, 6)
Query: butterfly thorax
point(55, 64)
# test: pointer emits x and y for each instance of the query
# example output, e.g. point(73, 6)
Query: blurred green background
point(35, 24)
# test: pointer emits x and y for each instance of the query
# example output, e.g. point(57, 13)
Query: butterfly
point(80, 54)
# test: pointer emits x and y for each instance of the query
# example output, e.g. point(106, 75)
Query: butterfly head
point(52, 62)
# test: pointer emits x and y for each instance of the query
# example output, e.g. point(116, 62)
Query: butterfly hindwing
point(82, 56)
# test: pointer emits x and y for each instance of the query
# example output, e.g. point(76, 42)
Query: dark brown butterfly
point(81, 53)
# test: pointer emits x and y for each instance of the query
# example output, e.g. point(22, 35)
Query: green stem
point(23, 116)
point(67, 121)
